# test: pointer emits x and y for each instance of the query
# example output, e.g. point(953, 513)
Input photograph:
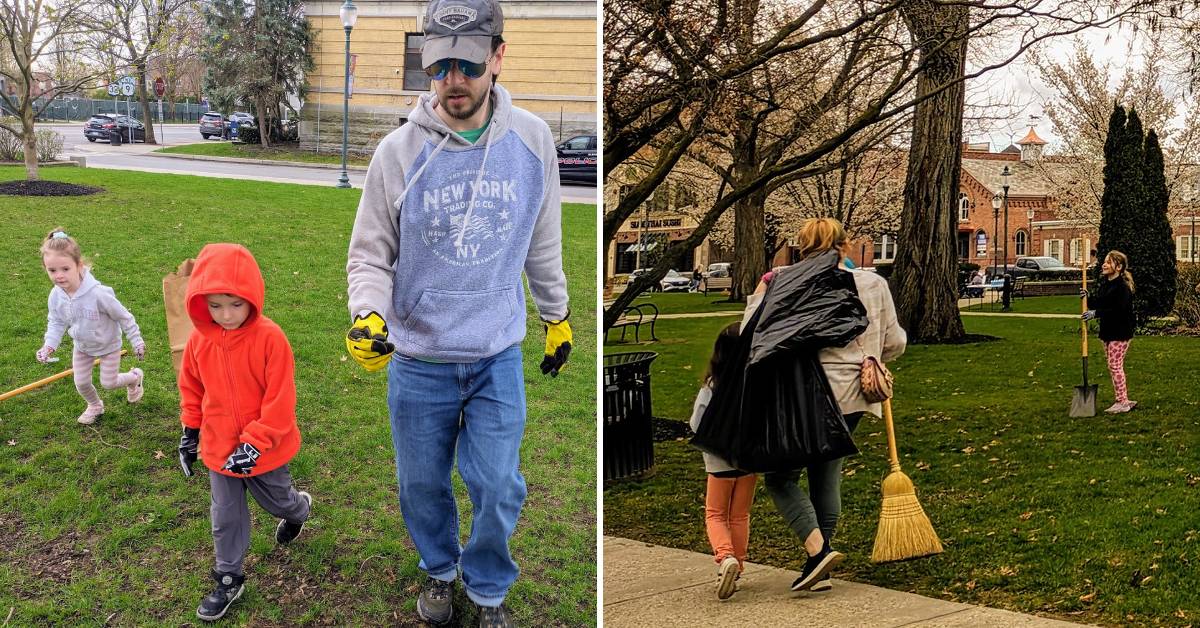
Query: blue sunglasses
point(442, 67)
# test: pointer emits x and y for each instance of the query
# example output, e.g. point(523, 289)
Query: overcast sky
point(1018, 83)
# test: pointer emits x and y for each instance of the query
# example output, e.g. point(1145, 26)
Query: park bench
point(1018, 288)
point(717, 283)
point(635, 316)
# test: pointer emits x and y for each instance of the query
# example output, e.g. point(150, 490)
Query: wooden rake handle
point(893, 457)
point(47, 380)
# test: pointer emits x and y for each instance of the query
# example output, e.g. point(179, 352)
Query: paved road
point(139, 157)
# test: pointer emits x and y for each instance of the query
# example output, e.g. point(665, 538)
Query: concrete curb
point(258, 162)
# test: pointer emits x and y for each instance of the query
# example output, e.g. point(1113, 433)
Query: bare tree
point(133, 31)
point(31, 30)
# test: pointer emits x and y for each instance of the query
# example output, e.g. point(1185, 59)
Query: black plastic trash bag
point(774, 409)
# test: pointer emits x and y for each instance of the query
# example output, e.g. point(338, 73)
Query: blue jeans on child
point(476, 410)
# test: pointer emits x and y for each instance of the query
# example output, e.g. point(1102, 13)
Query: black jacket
point(774, 409)
point(1113, 302)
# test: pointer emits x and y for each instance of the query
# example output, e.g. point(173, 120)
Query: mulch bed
point(46, 188)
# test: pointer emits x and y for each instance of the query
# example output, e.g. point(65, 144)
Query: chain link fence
point(80, 109)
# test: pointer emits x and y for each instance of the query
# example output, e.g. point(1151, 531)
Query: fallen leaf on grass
point(968, 450)
point(970, 585)
point(159, 455)
point(12, 442)
point(1008, 571)
point(923, 466)
point(344, 358)
point(1180, 614)
point(1088, 598)
point(1026, 515)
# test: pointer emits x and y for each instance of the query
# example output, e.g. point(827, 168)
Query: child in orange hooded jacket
point(238, 399)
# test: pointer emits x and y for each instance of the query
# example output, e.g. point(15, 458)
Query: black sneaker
point(215, 604)
point(286, 531)
point(816, 568)
point(434, 604)
point(824, 584)
point(495, 617)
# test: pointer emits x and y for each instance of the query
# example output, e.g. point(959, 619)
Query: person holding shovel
point(813, 516)
point(1112, 303)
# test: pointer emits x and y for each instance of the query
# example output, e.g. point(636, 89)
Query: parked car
point(577, 159)
point(242, 118)
point(643, 271)
point(719, 269)
point(214, 123)
point(675, 281)
point(1031, 266)
point(101, 126)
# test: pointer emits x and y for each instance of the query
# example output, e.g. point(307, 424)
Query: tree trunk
point(29, 141)
point(925, 278)
point(144, 101)
point(749, 221)
point(264, 131)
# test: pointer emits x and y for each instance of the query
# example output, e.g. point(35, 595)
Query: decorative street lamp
point(349, 14)
point(1004, 178)
point(996, 201)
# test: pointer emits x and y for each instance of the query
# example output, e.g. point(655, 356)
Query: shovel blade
point(1083, 404)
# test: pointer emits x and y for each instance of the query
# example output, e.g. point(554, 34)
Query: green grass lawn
point(286, 152)
point(1058, 304)
point(1084, 519)
point(99, 526)
point(680, 302)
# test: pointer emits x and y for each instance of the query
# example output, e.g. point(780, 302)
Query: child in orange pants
point(730, 491)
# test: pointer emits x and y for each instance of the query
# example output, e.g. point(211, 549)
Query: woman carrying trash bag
point(813, 516)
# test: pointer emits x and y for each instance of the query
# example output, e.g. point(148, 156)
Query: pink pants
point(110, 375)
point(1115, 351)
point(727, 515)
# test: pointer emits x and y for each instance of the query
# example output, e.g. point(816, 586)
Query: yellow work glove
point(367, 342)
point(558, 346)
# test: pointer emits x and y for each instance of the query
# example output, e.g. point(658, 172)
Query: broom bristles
point(904, 529)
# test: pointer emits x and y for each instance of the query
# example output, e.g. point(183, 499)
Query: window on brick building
point(885, 249)
point(415, 78)
point(964, 207)
point(1053, 248)
point(1022, 243)
point(1185, 248)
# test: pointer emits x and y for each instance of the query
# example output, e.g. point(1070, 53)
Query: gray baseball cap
point(460, 29)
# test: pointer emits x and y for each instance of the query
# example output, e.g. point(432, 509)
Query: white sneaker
point(727, 577)
point(92, 413)
point(1120, 407)
point(134, 391)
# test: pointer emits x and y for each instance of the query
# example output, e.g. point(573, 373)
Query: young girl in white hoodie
point(92, 315)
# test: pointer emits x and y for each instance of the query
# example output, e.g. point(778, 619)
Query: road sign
point(113, 89)
point(127, 89)
point(127, 80)
point(160, 87)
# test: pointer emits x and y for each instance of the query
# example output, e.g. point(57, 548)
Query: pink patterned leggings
point(110, 375)
point(1115, 351)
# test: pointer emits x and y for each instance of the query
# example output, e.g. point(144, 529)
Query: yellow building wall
point(545, 58)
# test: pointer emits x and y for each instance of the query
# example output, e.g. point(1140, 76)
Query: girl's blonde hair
point(818, 235)
point(1119, 259)
point(58, 242)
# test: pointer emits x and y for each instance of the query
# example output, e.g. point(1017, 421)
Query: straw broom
point(904, 530)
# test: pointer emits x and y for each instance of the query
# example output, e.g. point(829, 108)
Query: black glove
point(242, 460)
point(189, 446)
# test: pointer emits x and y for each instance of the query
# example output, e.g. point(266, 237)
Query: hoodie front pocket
point(461, 322)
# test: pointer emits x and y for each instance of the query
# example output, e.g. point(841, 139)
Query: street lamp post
point(1004, 178)
point(349, 14)
point(1029, 234)
point(996, 201)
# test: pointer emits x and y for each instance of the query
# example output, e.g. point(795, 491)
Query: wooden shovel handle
point(46, 380)
point(893, 457)
point(1083, 310)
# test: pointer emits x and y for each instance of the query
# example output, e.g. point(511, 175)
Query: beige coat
point(884, 339)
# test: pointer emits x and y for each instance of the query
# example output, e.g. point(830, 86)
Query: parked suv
point(214, 123)
point(577, 159)
point(101, 126)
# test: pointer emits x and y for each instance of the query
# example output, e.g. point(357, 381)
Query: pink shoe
point(92, 413)
point(134, 391)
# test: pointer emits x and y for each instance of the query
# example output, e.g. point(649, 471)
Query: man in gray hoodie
point(456, 204)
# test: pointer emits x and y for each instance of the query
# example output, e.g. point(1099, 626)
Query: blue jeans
point(477, 411)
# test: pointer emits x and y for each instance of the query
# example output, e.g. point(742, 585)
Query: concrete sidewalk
point(649, 585)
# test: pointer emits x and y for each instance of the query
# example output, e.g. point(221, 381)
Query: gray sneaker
point(495, 617)
point(434, 605)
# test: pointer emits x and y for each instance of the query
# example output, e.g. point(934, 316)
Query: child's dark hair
point(722, 349)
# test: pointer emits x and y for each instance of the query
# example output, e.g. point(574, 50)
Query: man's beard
point(473, 104)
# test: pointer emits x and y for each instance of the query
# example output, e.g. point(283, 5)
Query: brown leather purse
point(876, 379)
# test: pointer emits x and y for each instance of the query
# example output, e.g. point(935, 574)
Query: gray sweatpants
point(231, 516)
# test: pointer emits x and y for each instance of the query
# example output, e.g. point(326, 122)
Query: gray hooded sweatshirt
point(93, 316)
point(444, 229)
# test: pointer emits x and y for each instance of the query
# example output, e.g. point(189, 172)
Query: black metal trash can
point(628, 432)
point(114, 137)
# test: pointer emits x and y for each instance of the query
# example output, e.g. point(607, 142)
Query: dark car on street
point(577, 159)
point(214, 123)
point(102, 125)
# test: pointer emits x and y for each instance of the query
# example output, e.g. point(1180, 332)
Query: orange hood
point(224, 269)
